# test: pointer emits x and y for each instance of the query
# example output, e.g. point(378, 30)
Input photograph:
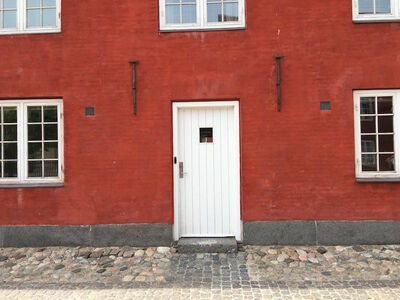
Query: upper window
point(377, 121)
point(29, 16)
point(31, 142)
point(201, 14)
point(376, 10)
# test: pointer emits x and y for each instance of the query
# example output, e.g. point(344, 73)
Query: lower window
point(31, 142)
point(376, 122)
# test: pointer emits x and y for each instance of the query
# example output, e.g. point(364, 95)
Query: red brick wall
point(296, 164)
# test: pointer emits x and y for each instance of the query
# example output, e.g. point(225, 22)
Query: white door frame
point(205, 104)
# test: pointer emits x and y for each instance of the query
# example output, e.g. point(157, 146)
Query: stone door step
point(207, 245)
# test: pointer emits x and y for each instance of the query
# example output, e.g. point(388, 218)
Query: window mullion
point(396, 126)
point(21, 142)
point(203, 8)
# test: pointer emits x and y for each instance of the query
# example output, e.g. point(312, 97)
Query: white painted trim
point(394, 16)
point(357, 133)
point(202, 23)
point(175, 107)
point(21, 22)
point(23, 179)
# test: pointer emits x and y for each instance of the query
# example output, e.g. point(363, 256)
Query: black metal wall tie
point(278, 59)
point(134, 63)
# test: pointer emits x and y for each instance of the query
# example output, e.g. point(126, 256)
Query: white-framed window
point(31, 142)
point(180, 15)
point(30, 16)
point(376, 10)
point(377, 125)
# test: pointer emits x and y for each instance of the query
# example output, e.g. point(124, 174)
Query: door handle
point(180, 169)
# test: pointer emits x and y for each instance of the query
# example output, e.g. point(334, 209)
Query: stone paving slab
point(359, 272)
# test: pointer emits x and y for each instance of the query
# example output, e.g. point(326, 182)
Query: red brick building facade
point(297, 166)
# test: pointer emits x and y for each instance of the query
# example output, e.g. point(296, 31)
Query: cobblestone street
point(359, 272)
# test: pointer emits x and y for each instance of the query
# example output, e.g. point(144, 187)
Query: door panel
point(208, 192)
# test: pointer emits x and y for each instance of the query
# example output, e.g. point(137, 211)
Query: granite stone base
point(135, 235)
point(322, 233)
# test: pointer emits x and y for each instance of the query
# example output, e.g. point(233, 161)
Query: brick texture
point(295, 165)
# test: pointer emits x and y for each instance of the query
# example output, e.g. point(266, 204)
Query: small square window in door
point(206, 135)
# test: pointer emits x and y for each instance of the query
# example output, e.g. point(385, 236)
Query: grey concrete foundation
point(321, 233)
point(140, 235)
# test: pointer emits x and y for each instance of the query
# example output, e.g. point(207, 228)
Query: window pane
point(10, 132)
point(34, 114)
point(368, 125)
point(10, 4)
point(10, 114)
point(33, 16)
point(49, 3)
point(189, 14)
point(10, 19)
point(172, 1)
point(385, 124)
point(35, 168)
point(51, 169)
point(33, 3)
point(1, 170)
point(10, 169)
point(34, 132)
point(367, 105)
point(50, 113)
point(366, 6)
point(49, 17)
point(173, 15)
point(10, 151)
point(386, 162)
point(386, 143)
point(50, 132)
point(35, 150)
point(385, 105)
point(382, 6)
point(368, 143)
point(50, 150)
point(231, 12)
point(369, 162)
point(214, 12)
point(1, 151)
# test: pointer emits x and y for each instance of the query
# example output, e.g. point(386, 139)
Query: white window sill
point(31, 185)
point(30, 31)
point(378, 179)
point(381, 19)
point(209, 28)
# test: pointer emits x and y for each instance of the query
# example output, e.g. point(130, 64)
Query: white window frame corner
point(22, 152)
point(202, 24)
point(376, 176)
point(394, 16)
point(22, 28)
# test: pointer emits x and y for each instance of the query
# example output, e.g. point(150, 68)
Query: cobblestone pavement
point(359, 272)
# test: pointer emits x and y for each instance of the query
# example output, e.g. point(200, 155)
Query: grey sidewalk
point(368, 272)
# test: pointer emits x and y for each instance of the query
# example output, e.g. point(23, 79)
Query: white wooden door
point(206, 147)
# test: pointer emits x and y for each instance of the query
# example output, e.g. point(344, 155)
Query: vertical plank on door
point(209, 163)
point(217, 172)
point(232, 168)
point(225, 171)
point(195, 173)
point(188, 170)
point(181, 138)
point(203, 178)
